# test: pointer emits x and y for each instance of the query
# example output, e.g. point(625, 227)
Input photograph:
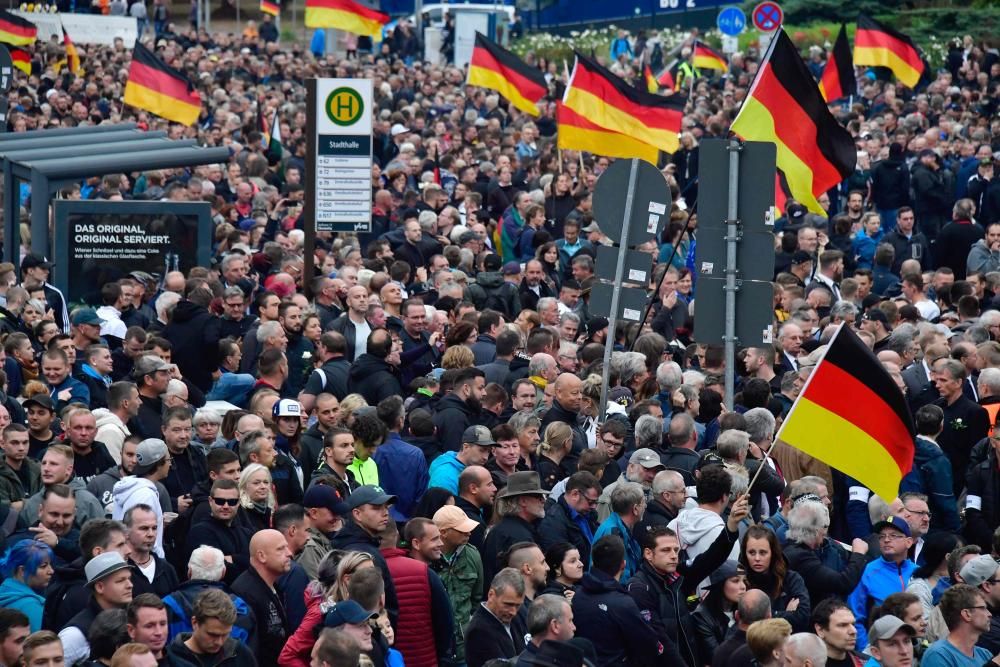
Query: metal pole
point(309, 204)
point(237, 14)
point(609, 343)
point(732, 238)
point(418, 19)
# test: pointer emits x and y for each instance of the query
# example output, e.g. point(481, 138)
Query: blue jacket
point(633, 552)
point(79, 393)
point(932, 475)
point(15, 594)
point(444, 472)
point(402, 473)
point(863, 247)
point(880, 580)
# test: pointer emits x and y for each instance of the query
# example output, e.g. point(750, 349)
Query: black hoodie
point(194, 334)
point(373, 378)
point(453, 416)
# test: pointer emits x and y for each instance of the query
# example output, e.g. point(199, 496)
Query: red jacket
point(415, 633)
point(298, 648)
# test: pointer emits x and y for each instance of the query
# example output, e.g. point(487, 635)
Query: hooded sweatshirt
point(15, 594)
point(697, 529)
point(132, 491)
point(112, 432)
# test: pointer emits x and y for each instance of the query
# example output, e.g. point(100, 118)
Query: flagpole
point(791, 410)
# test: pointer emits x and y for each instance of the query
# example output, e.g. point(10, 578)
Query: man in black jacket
point(492, 291)
point(572, 518)
point(566, 408)
point(521, 506)
point(331, 377)
point(222, 531)
point(460, 408)
point(605, 614)
point(664, 580)
point(369, 517)
point(354, 325)
point(188, 465)
point(194, 333)
point(375, 373)
point(965, 421)
point(667, 497)
point(269, 559)
point(150, 573)
point(495, 630)
point(907, 242)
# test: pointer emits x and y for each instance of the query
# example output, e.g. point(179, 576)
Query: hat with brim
point(369, 494)
point(523, 483)
point(894, 522)
point(103, 566)
point(40, 400)
point(347, 612)
point(886, 627)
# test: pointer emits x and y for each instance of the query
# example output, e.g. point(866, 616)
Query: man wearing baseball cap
point(142, 488)
point(981, 573)
point(349, 616)
point(642, 467)
point(885, 575)
point(110, 582)
point(891, 642)
point(35, 269)
point(459, 568)
point(325, 510)
point(369, 506)
point(477, 445)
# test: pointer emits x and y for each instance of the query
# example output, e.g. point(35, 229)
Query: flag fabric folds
point(611, 103)
point(851, 415)
point(496, 68)
point(72, 55)
point(784, 106)
point(345, 15)
point(160, 89)
point(271, 7)
point(652, 85)
point(705, 57)
point(578, 133)
point(668, 77)
point(838, 79)
point(15, 30)
point(878, 45)
point(274, 146)
point(21, 59)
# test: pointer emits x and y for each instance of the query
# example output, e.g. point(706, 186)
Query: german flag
point(784, 106)
point(880, 46)
point(838, 76)
point(21, 59)
point(160, 89)
point(270, 7)
point(496, 68)
point(72, 55)
point(609, 102)
point(705, 57)
point(15, 30)
point(852, 416)
point(345, 15)
point(668, 77)
point(652, 85)
point(579, 134)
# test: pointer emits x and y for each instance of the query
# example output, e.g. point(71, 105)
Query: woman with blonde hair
point(458, 356)
point(256, 497)
point(554, 448)
point(329, 588)
point(350, 403)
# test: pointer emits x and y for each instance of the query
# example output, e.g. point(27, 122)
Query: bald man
point(565, 408)
point(354, 324)
point(270, 558)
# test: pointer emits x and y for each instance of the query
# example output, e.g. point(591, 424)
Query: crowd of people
point(402, 458)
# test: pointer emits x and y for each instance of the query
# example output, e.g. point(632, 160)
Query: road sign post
point(635, 192)
point(735, 253)
point(338, 160)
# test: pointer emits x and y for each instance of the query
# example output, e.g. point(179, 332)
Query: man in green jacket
point(460, 569)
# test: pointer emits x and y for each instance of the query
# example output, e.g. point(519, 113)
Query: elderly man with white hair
point(816, 557)
point(206, 569)
point(804, 649)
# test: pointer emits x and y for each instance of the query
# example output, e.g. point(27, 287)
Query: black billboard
point(97, 242)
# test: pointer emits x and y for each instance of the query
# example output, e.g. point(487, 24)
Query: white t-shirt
point(361, 332)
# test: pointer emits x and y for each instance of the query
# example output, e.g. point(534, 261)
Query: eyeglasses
point(591, 501)
point(978, 606)
point(925, 513)
point(232, 502)
point(890, 537)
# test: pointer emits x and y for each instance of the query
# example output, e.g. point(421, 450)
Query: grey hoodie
point(981, 259)
point(87, 506)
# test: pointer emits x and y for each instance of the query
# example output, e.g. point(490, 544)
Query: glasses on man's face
point(890, 537)
point(925, 513)
point(235, 304)
point(978, 606)
point(612, 443)
point(232, 502)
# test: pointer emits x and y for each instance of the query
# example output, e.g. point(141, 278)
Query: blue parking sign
point(732, 21)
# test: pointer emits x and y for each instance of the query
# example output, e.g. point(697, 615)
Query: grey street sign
point(754, 312)
point(631, 301)
point(650, 206)
point(756, 186)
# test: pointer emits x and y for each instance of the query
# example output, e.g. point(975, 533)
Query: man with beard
point(299, 349)
point(533, 286)
point(831, 272)
point(521, 507)
point(460, 408)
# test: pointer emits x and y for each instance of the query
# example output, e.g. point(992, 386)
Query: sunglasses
point(232, 502)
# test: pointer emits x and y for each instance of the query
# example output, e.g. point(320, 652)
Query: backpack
point(495, 300)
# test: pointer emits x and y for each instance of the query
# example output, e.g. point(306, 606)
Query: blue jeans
point(888, 217)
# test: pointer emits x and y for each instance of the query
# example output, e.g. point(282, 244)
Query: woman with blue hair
point(27, 569)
